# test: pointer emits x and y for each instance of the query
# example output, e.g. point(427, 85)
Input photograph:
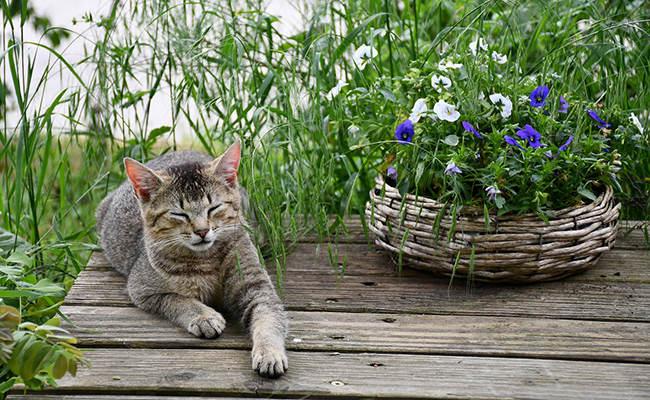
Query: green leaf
point(47, 287)
point(72, 367)
point(451, 140)
point(156, 133)
point(9, 317)
point(17, 356)
point(56, 321)
point(21, 258)
point(588, 194)
point(43, 356)
point(60, 366)
point(6, 386)
point(11, 242)
point(11, 269)
point(388, 94)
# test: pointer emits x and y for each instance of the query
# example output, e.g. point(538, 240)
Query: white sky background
point(62, 13)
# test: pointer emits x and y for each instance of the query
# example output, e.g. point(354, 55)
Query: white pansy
point(446, 111)
point(636, 122)
point(419, 110)
point(503, 102)
point(335, 90)
point(363, 55)
point(478, 44)
point(439, 82)
point(446, 66)
point(499, 58)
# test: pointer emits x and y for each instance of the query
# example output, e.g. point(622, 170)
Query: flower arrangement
point(496, 139)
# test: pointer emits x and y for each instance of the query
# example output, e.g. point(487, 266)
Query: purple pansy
point(470, 128)
point(404, 132)
point(531, 134)
point(602, 123)
point(564, 106)
point(492, 192)
point(392, 173)
point(452, 169)
point(538, 96)
point(565, 145)
point(511, 141)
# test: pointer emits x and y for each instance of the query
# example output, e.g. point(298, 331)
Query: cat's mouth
point(202, 244)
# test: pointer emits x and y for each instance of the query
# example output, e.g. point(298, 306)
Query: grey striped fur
point(177, 232)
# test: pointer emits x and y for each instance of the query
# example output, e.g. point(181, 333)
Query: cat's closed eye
point(179, 215)
point(212, 210)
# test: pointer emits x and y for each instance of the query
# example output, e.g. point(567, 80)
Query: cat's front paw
point(270, 363)
point(209, 324)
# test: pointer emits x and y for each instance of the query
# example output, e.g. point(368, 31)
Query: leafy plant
point(35, 354)
point(498, 138)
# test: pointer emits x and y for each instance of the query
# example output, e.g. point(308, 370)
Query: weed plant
point(219, 70)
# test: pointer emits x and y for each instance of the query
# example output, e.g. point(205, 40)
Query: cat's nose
point(202, 232)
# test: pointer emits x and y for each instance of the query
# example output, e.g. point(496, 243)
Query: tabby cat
point(176, 230)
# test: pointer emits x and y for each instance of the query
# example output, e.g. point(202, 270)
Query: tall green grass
point(218, 70)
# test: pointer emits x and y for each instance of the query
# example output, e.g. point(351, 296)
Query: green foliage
point(221, 70)
point(600, 51)
point(454, 162)
point(35, 354)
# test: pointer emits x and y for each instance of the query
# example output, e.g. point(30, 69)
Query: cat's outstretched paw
point(270, 363)
point(209, 324)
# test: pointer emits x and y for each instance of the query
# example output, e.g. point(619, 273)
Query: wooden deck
point(374, 334)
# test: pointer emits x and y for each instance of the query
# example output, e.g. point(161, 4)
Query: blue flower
point(531, 134)
point(392, 173)
point(452, 169)
point(564, 106)
point(565, 145)
point(511, 141)
point(470, 128)
point(538, 96)
point(404, 132)
point(602, 123)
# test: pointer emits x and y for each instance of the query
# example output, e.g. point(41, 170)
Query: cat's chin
point(201, 246)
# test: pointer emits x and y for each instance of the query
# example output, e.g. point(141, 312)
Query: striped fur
point(176, 230)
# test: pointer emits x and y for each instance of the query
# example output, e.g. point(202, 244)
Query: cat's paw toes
point(210, 326)
point(271, 363)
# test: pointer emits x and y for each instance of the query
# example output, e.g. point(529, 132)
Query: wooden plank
point(384, 333)
point(371, 284)
point(211, 372)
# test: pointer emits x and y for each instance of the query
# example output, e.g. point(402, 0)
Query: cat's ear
point(227, 165)
point(143, 179)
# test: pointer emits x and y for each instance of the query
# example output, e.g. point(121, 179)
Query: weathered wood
point(376, 332)
point(613, 291)
point(384, 333)
point(210, 372)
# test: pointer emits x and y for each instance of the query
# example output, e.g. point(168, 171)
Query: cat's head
point(188, 206)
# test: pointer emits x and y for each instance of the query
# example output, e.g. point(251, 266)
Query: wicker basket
point(511, 248)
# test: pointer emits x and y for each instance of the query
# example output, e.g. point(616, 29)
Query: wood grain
point(614, 291)
point(383, 333)
point(210, 372)
point(377, 332)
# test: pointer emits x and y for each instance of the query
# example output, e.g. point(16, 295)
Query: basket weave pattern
point(511, 248)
